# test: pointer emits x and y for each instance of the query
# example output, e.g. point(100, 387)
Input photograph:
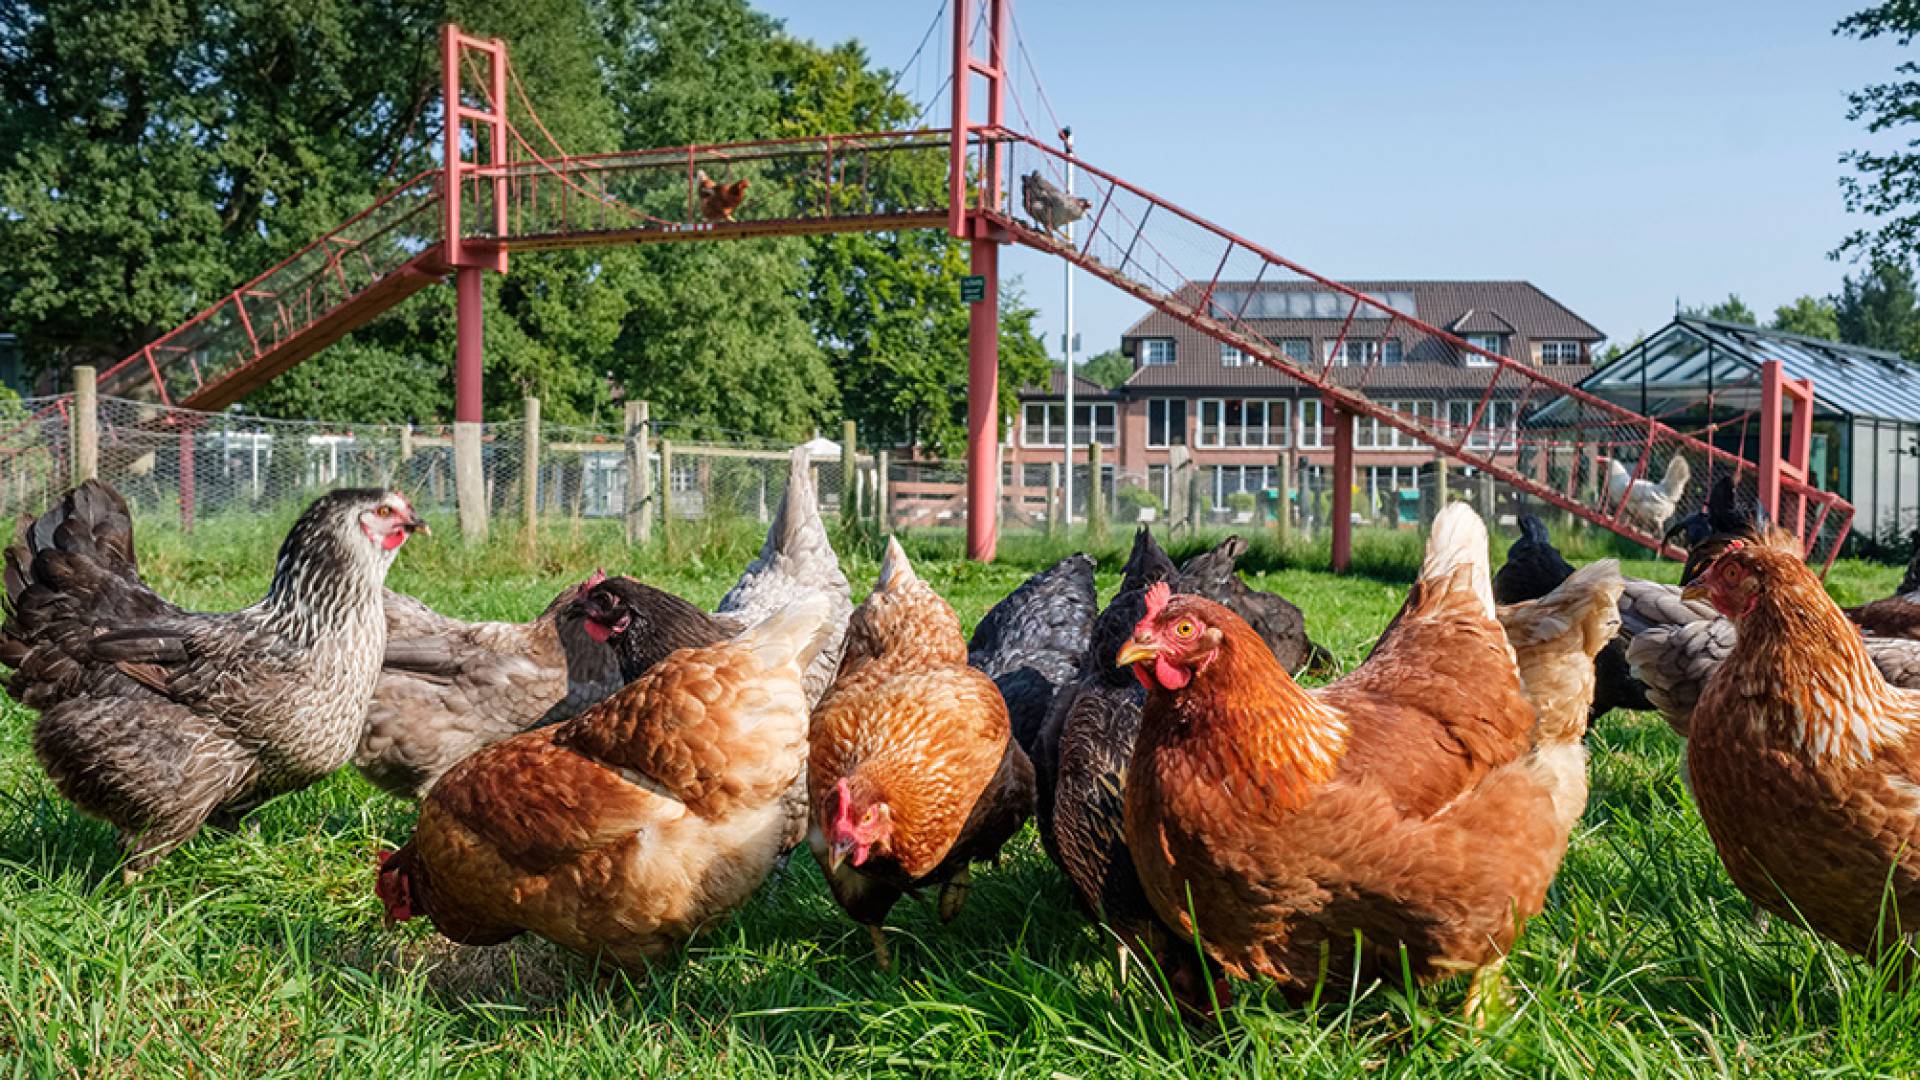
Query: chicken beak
point(1695, 591)
point(416, 524)
point(1135, 651)
point(837, 855)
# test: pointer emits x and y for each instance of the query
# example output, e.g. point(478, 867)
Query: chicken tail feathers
point(1534, 531)
point(1674, 482)
point(793, 635)
point(1555, 639)
point(1459, 545)
point(798, 515)
point(895, 570)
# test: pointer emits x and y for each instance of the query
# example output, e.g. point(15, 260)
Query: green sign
point(973, 288)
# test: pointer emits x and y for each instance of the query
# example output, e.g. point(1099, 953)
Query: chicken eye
point(385, 511)
point(1183, 629)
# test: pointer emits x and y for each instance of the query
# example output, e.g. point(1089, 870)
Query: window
point(1044, 423)
point(1242, 422)
point(1493, 343)
point(1296, 349)
point(1369, 432)
point(1497, 427)
point(1231, 480)
point(1231, 356)
point(1559, 352)
point(1313, 429)
point(1156, 352)
point(1166, 422)
point(1359, 353)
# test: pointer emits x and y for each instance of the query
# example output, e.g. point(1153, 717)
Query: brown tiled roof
point(1083, 387)
point(1482, 321)
point(1531, 314)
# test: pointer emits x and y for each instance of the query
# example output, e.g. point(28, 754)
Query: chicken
point(1677, 645)
point(1048, 206)
point(158, 720)
point(448, 688)
point(1082, 772)
point(1275, 618)
point(1803, 761)
point(796, 560)
point(912, 773)
point(1647, 503)
point(1898, 616)
point(1310, 836)
point(644, 625)
point(1031, 643)
point(718, 201)
point(625, 830)
point(1534, 568)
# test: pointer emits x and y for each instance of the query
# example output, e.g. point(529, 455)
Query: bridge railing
point(791, 185)
point(274, 307)
point(1411, 384)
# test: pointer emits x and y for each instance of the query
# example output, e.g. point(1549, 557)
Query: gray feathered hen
point(1048, 206)
point(448, 688)
point(158, 720)
point(1031, 643)
point(796, 560)
point(1678, 644)
point(1275, 618)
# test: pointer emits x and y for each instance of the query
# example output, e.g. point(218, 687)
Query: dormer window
point(1156, 352)
point(1493, 343)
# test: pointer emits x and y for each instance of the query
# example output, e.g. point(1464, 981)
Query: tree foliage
point(1814, 316)
point(1732, 309)
point(1879, 308)
point(1885, 183)
point(1109, 369)
point(154, 155)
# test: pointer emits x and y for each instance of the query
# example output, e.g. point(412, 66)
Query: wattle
point(1170, 675)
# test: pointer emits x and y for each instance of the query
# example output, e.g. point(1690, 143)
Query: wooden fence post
point(666, 492)
point(406, 443)
point(1053, 498)
point(1282, 515)
point(639, 475)
point(1440, 481)
point(1486, 498)
point(849, 433)
point(882, 509)
point(1096, 498)
point(86, 425)
point(530, 468)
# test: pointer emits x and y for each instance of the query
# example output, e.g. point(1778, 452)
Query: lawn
point(263, 953)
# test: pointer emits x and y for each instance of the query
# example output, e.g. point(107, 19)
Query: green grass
point(263, 953)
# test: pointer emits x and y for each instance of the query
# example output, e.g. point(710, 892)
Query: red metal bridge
point(498, 193)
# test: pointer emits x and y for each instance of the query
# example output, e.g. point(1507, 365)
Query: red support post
point(467, 384)
point(1342, 489)
point(1784, 451)
point(983, 408)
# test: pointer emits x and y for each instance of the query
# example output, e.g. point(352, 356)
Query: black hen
point(1032, 642)
point(1081, 766)
point(1704, 532)
point(1534, 568)
point(1275, 618)
point(647, 624)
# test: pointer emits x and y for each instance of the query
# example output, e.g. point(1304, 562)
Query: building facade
point(1193, 398)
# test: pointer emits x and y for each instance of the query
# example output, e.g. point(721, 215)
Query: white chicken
point(1648, 503)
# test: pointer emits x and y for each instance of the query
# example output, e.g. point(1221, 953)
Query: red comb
point(1157, 596)
point(596, 577)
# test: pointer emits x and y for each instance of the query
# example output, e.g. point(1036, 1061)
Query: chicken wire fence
point(184, 467)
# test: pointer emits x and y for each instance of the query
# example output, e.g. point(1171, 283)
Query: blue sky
point(1619, 154)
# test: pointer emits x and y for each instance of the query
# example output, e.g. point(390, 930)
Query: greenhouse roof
point(1692, 357)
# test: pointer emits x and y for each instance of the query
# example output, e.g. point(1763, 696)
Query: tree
point(1732, 309)
point(1885, 184)
point(1109, 369)
point(1813, 316)
point(1878, 308)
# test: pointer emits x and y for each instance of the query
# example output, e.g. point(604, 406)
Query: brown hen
point(624, 830)
point(913, 773)
point(1803, 760)
point(1407, 805)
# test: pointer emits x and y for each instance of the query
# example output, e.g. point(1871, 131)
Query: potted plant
point(1145, 504)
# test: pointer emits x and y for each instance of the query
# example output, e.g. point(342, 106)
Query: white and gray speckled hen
point(1031, 643)
point(159, 720)
point(448, 688)
point(796, 559)
point(1278, 621)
